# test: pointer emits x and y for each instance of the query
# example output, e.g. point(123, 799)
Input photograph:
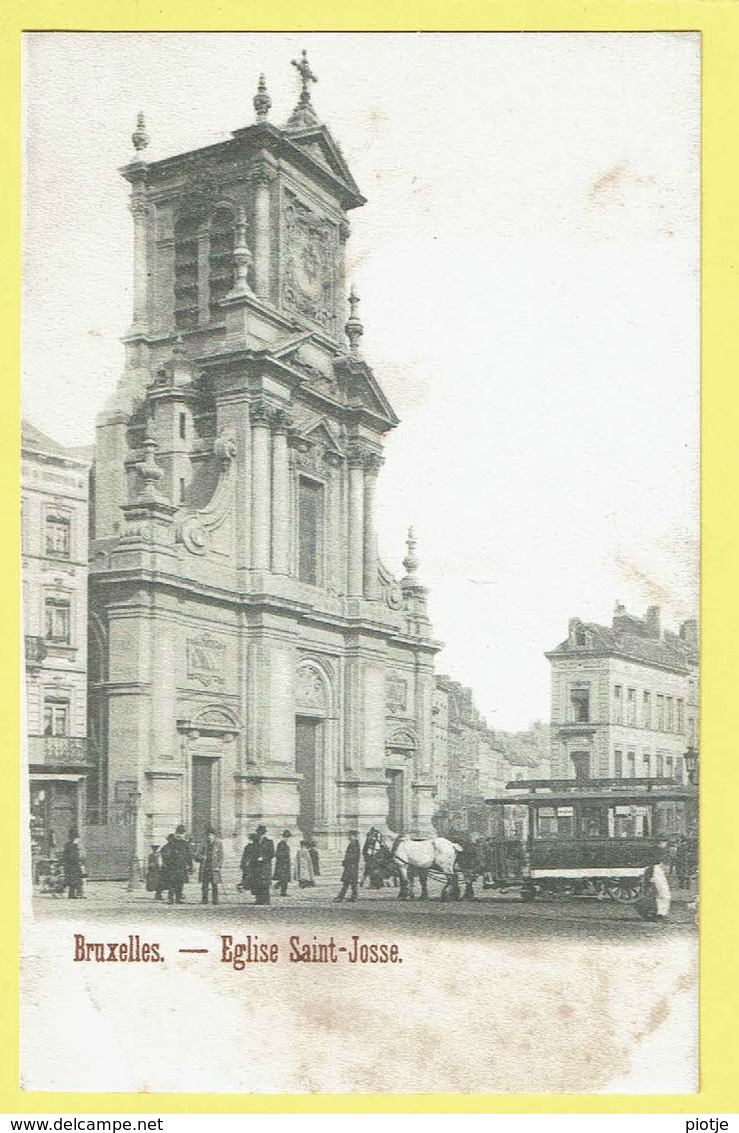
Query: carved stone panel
point(310, 693)
point(396, 693)
point(205, 660)
point(308, 284)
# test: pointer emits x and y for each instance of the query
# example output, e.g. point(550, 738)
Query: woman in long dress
point(304, 867)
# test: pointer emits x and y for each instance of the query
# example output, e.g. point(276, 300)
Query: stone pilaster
point(355, 548)
point(260, 484)
point(372, 465)
point(280, 493)
point(139, 211)
point(262, 175)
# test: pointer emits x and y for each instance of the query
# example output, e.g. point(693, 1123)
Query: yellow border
point(719, 24)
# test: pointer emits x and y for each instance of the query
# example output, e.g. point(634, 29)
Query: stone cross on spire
point(303, 115)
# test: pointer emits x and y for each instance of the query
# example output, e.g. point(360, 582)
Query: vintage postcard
point(360, 563)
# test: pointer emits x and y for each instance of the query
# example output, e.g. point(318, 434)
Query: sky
point(528, 267)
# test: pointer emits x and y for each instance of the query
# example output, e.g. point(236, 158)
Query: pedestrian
point(247, 859)
point(209, 870)
point(655, 906)
point(154, 872)
point(261, 870)
point(304, 867)
point(314, 857)
point(177, 865)
point(350, 873)
point(73, 864)
point(283, 865)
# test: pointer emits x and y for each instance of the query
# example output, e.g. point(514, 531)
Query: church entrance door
point(396, 799)
point(308, 741)
point(204, 797)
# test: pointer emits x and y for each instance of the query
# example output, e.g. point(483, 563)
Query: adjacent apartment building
point(54, 546)
point(624, 698)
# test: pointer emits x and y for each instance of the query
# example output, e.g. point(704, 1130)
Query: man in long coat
point(261, 866)
point(350, 873)
point(73, 864)
point(211, 860)
point(177, 865)
point(283, 864)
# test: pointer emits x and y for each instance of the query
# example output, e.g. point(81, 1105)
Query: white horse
point(411, 858)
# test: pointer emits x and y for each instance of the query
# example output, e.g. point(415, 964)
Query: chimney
point(652, 621)
point(689, 632)
point(572, 627)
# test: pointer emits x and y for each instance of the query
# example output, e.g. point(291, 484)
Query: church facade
point(251, 660)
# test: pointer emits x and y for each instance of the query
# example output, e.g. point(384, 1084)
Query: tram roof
point(622, 796)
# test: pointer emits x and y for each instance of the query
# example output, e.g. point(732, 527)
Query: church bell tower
point(237, 591)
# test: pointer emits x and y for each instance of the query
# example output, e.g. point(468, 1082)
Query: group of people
point(263, 863)
point(264, 867)
point(169, 867)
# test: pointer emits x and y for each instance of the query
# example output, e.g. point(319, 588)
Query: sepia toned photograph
point(360, 535)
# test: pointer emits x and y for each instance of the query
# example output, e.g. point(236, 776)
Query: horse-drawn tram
point(565, 837)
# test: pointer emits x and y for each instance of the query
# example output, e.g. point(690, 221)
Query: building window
point(618, 764)
point(647, 710)
point(182, 489)
point(580, 701)
point(183, 426)
point(631, 765)
point(186, 273)
point(581, 761)
point(670, 767)
point(57, 533)
point(691, 691)
point(691, 731)
point(631, 706)
point(669, 715)
point(660, 713)
point(680, 716)
point(647, 765)
point(618, 705)
point(310, 523)
point(660, 769)
point(679, 773)
point(56, 717)
point(57, 612)
point(220, 259)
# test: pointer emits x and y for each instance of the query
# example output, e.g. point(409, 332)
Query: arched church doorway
point(399, 765)
point(311, 710)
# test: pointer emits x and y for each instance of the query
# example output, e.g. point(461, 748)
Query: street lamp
point(691, 765)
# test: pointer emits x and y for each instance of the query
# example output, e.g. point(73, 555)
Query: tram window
point(594, 822)
point(553, 822)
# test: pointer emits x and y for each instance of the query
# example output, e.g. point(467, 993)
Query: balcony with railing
point(71, 751)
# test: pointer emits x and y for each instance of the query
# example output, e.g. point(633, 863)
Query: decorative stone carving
point(260, 412)
point(195, 529)
point(396, 694)
point(390, 590)
point(310, 693)
point(308, 286)
point(307, 371)
point(205, 658)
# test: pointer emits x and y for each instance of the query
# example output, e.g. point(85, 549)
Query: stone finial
point(410, 562)
point(151, 474)
point(262, 101)
point(242, 256)
point(178, 347)
point(354, 328)
point(140, 136)
point(303, 115)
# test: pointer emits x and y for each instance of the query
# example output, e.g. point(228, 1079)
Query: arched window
point(186, 273)
point(220, 258)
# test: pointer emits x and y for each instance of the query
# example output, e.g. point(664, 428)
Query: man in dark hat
point(350, 873)
point(211, 860)
point(261, 869)
point(73, 864)
point(177, 864)
point(283, 865)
